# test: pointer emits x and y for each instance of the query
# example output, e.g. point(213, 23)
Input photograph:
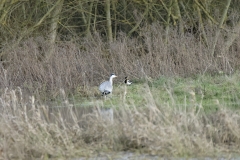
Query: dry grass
point(76, 67)
point(29, 131)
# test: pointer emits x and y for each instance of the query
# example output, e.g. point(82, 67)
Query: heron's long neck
point(111, 80)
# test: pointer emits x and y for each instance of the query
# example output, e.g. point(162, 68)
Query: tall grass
point(76, 67)
point(152, 121)
point(29, 130)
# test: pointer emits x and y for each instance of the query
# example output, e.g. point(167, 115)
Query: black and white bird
point(107, 86)
point(127, 81)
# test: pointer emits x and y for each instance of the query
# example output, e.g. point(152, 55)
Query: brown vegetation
point(32, 131)
point(76, 67)
point(48, 48)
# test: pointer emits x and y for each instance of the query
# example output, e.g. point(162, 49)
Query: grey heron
point(127, 81)
point(107, 86)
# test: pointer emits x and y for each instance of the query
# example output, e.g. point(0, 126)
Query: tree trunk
point(219, 28)
point(177, 14)
point(201, 27)
point(115, 18)
point(88, 32)
point(53, 27)
point(168, 21)
point(109, 22)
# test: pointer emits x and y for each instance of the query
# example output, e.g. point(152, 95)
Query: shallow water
point(135, 156)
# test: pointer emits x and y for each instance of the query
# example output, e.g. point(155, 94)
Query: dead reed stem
point(31, 130)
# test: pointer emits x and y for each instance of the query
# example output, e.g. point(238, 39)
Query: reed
point(29, 130)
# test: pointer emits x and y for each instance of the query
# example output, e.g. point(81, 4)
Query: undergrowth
point(78, 66)
point(158, 125)
point(51, 108)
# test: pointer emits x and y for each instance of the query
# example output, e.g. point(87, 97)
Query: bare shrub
point(77, 67)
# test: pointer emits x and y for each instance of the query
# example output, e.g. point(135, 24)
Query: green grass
point(209, 91)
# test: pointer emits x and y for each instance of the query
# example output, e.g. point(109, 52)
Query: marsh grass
point(157, 125)
point(178, 91)
point(52, 108)
point(78, 65)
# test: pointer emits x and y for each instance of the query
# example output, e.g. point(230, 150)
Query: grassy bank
point(169, 116)
point(205, 90)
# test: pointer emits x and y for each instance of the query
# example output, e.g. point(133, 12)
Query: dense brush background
point(51, 50)
point(47, 45)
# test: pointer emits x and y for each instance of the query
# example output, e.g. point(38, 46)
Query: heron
point(107, 86)
point(127, 81)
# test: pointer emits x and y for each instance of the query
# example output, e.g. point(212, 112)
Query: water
point(135, 156)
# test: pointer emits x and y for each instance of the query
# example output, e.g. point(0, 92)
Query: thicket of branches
point(64, 20)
